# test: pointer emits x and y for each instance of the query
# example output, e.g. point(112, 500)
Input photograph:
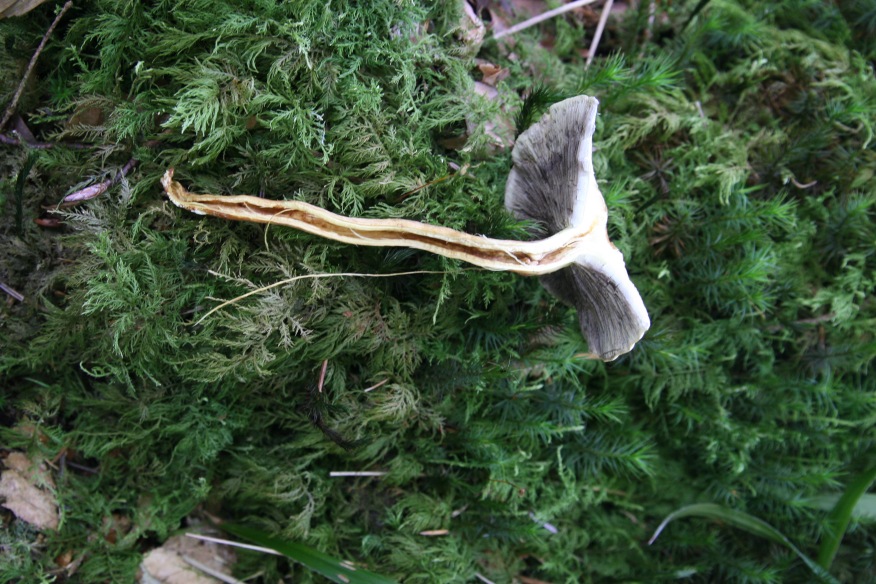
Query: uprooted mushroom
point(551, 184)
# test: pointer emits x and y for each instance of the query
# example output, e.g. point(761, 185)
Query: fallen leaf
point(486, 90)
point(498, 21)
point(528, 580)
point(29, 429)
point(492, 73)
point(86, 116)
point(63, 560)
point(453, 143)
point(88, 192)
point(17, 7)
point(48, 222)
point(168, 567)
point(505, 14)
point(115, 526)
point(27, 490)
point(24, 133)
point(471, 29)
point(168, 564)
point(526, 8)
point(501, 130)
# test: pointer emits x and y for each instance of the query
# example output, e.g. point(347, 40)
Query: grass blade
point(745, 522)
point(334, 569)
point(865, 508)
point(839, 517)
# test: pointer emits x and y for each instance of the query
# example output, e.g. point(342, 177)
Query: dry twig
point(597, 36)
point(30, 66)
point(15, 140)
point(542, 17)
point(12, 292)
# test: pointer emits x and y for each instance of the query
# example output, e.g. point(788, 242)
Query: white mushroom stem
point(529, 258)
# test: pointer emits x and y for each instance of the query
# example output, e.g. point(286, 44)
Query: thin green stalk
point(747, 522)
point(841, 514)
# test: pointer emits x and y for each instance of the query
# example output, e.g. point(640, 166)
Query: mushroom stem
point(552, 183)
point(528, 258)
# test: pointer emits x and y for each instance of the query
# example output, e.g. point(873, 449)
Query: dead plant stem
point(11, 108)
point(597, 36)
point(311, 276)
point(542, 17)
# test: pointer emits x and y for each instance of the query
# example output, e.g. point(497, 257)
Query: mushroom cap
point(552, 184)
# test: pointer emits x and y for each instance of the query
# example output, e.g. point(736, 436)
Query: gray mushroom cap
point(552, 183)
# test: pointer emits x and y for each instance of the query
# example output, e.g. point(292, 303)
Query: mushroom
point(552, 183)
